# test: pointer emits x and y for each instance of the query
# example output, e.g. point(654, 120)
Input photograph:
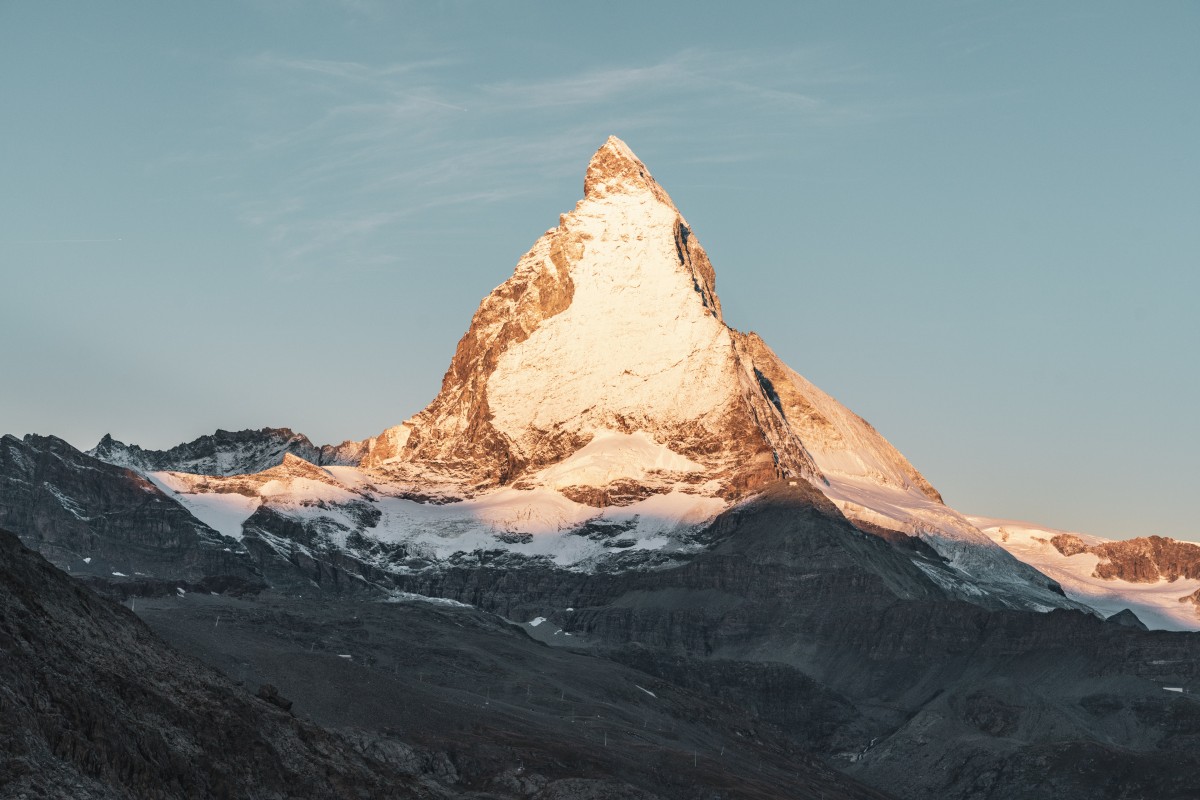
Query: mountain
point(620, 504)
point(226, 452)
point(107, 522)
point(1154, 577)
point(598, 413)
point(609, 325)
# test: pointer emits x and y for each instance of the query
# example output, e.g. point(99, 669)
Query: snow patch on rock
point(224, 513)
point(611, 456)
point(1158, 605)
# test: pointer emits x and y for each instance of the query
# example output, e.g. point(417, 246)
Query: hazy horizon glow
point(975, 225)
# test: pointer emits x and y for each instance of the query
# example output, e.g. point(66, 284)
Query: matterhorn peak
point(603, 370)
point(610, 324)
point(614, 169)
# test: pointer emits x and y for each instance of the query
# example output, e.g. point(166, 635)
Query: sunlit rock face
point(610, 324)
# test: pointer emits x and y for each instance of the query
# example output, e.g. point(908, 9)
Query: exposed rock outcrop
point(291, 469)
point(1146, 559)
point(1193, 598)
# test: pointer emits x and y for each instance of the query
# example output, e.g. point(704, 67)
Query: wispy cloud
point(60, 241)
point(349, 69)
point(382, 144)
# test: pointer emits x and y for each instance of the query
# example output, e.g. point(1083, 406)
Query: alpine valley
point(626, 552)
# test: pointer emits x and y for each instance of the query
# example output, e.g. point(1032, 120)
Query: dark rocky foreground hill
point(105, 521)
point(94, 705)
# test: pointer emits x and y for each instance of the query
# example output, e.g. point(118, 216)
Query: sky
point(975, 224)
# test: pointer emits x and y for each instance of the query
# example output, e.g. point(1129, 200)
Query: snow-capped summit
point(614, 169)
point(609, 325)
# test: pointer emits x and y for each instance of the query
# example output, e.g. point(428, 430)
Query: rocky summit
point(609, 325)
point(626, 552)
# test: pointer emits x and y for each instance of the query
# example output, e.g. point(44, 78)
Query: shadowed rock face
point(93, 705)
point(1147, 559)
point(1127, 618)
point(508, 710)
point(93, 518)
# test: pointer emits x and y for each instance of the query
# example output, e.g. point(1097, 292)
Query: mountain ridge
point(609, 329)
point(226, 452)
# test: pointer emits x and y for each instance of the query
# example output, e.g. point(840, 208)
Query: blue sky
point(976, 224)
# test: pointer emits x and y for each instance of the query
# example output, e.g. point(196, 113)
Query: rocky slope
point(93, 705)
point(513, 716)
point(96, 519)
point(838, 638)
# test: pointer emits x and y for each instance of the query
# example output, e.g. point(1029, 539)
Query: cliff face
point(101, 520)
point(1146, 559)
point(611, 324)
